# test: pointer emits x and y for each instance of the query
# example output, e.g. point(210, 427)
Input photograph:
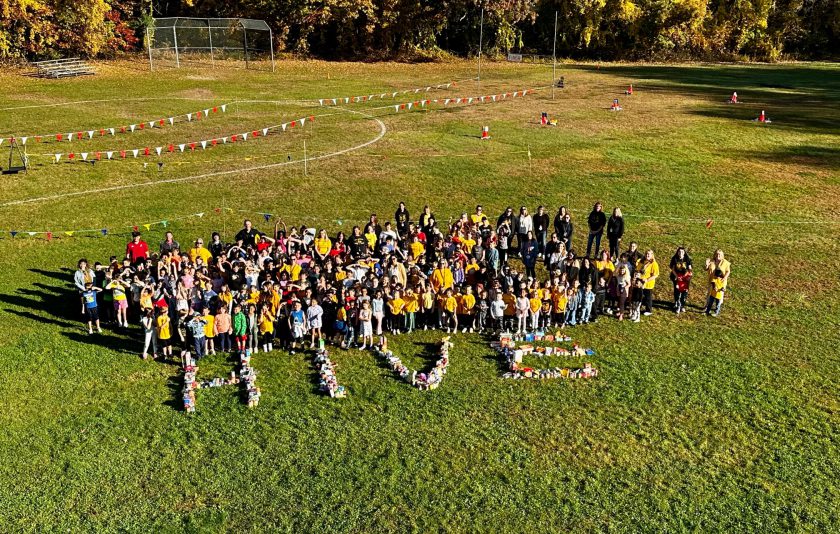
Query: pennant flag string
point(101, 132)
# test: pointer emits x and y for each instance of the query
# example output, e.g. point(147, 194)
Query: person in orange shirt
point(466, 309)
point(449, 313)
point(510, 308)
point(412, 304)
point(397, 307)
point(535, 303)
point(442, 279)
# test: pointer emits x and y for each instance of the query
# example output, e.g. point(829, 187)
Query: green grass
point(693, 424)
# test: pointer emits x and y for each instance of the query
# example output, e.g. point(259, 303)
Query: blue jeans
point(596, 238)
point(198, 346)
point(569, 319)
point(586, 311)
point(714, 305)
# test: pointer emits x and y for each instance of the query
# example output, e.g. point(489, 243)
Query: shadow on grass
point(795, 98)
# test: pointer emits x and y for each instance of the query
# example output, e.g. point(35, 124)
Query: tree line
point(412, 29)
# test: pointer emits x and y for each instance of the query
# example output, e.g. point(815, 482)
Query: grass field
point(695, 424)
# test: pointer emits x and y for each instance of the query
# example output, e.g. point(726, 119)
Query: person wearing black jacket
point(596, 220)
point(615, 230)
point(402, 220)
point(358, 243)
point(249, 235)
point(563, 226)
point(541, 221)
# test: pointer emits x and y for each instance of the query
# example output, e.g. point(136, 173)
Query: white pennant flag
point(224, 140)
point(135, 152)
point(409, 105)
point(111, 130)
point(347, 100)
point(206, 112)
point(182, 146)
point(224, 107)
point(334, 101)
point(1, 140)
point(84, 156)
point(23, 140)
point(31, 233)
point(283, 126)
point(265, 132)
point(394, 94)
point(90, 134)
point(370, 97)
point(482, 99)
point(515, 93)
point(109, 154)
point(428, 88)
point(303, 121)
point(397, 108)
point(416, 91)
point(320, 101)
point(494, 98)
point(203, 145)
point(446, 102)
point(57, 157)
point(132, 127)
point(158, 149)
point(245, 136)
point(470, 101)
point(189, 116)
point(171, 121)
point(70, 136)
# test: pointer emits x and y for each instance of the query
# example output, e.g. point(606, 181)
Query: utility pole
point(480, 43)
point(554, 58)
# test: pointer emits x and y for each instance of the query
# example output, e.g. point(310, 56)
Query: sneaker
point(647, 313)
point(637, 320)
point(464, 331)
point(90, 330)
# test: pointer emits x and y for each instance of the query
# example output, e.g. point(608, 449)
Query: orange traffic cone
point(629, 90)
point(762, 117)
point(615, 106)
point(734, 98)
point(485, 133)
point(544, 118)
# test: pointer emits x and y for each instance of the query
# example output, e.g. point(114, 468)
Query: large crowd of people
point(290, 287)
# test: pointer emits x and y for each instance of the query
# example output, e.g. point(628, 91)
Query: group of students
point(298, 285)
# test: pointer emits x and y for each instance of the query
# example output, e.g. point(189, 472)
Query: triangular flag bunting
point(182, 146)
point(224, 140)
point(320, 101)
point(57, 157)
point(132, 127)
point(104, 231)
point(158, 149)
point(109, 155)
point(199, 215)
point(265, 132)
point(171, 121)
point(147, 226)
point(111, 130)
point(23, 140)
point(69, 233)
point(224, 107)
point(283, 126)
point(245, 136)
point(84, 156)
point(70, 136)
point(90, 134)
point(189, 116)
point(14, 233)
point(135, 152)
point(203, 145)
point(31, 233)
point(334, 101)
point(302, 121)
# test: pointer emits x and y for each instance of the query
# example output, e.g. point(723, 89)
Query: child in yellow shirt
point(209, 332)
point(397, 307)
point(466, 309)
point(449, 313)
point(412, 304)
point(716, 288)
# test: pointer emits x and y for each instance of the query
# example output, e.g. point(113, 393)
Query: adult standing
point(596, 221)
point(713, 264)
point(615, 230)
point(84, 275)
point(563, 227)
point(541, 221)
point(136, 249)
point(648, 271)
point(169, 244)
point(402, 219)
point(681, 272)
point(530, 251)
point(426, 220)
point(358, 244)
point(524, 224)
point(249, 235)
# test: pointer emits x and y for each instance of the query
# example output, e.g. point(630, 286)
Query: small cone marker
point(763, 118)
point(544, 118)
point(734, 98)
point(615, 106)
point(485, 133)
point(629, 90)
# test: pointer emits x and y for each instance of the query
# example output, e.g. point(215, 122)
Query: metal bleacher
point(62, 68)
